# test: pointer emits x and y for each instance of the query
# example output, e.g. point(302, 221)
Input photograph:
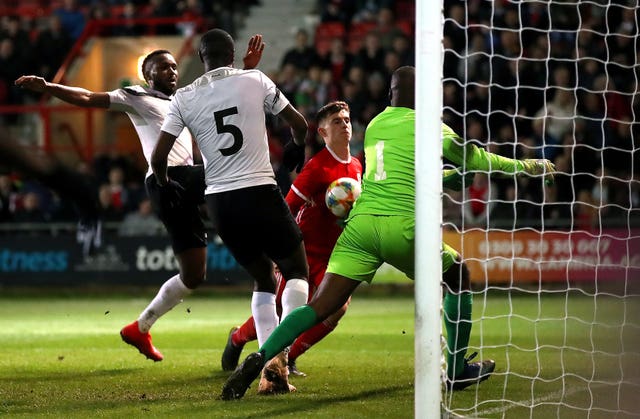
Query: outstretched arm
point(74, 95)
point(472, 157)
point(254, 52)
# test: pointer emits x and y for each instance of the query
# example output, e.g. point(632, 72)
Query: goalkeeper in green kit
point(381, 228)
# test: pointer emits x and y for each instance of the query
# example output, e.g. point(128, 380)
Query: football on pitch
point(341, 194)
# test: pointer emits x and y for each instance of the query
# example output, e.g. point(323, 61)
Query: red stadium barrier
point(549, 256)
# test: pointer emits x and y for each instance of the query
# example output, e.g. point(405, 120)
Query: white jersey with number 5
point(225, 111)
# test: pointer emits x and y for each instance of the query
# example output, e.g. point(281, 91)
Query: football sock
point(263, 308)
point(300, 320)
point(295, 294)
point(310, 338)
point(246, 333)
point(457, 320)
point(170, 295)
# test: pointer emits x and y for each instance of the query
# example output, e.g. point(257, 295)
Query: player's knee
point(294, 271)
point(192, 280)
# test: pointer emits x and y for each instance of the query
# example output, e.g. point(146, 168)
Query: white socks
point(295, 294)
point(170, 295)
point(263, 308)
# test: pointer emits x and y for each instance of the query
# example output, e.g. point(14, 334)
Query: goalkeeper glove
point(535, 167)
point(293, 157)
point(455, 180)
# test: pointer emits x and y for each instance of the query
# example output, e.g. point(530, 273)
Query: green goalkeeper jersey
point(388, 185)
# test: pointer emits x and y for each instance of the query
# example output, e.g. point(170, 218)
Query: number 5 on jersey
point(230, 128)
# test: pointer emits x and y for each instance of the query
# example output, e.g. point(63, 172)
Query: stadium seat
point(356, 35)
point(325, 33)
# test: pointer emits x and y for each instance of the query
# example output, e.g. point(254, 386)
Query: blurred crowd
point(553, 80)
point(52, 27)
point(532, 79)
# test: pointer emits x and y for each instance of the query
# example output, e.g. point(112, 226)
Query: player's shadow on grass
point(321, 402)
point(67, 376)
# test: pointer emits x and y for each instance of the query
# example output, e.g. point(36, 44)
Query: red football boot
point(142, 341)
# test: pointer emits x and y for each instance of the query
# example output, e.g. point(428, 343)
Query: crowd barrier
point(493, 257)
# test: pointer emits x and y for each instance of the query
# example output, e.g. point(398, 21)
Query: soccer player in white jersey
point(225, 111)
point(147, 108)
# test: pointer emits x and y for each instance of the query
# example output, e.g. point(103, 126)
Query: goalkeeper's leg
point(457, 311)
point(457, 315)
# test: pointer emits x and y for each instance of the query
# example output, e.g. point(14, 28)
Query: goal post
point(428, 162)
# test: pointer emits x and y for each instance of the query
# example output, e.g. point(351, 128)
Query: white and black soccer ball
point(340, 196)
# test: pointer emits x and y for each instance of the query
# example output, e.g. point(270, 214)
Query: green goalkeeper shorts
point(369, 240)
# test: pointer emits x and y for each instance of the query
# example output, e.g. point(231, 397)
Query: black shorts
point(253, 222)
point(184, 224)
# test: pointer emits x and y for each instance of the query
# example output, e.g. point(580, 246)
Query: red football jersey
point(319, 226)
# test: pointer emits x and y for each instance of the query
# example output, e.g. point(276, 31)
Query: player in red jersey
point(320, 228)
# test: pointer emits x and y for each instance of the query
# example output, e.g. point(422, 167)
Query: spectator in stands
point(8, 192)
point(356, 99)
point(553, 121)
point(161, 8)
point(452, 24)
point(189, 9)
point(128, 28)
point(108, 210)
point(387, 28)
point(71, 18)
point(403, 47)
point(338, 60)
point(142, 222)
point(302, 55)
point(288, 81)
point(504, 213)
point(337, 11)
point(479, 200)
point(377, 97)
point(585, 211)
point(371, 56)
point(31, 211)
point(13, 30)
point(98, 10)
point(52, 44)
point(308, 92)
point(120, 198)
point(560, 197)
point(619, 153)
point(10, 68)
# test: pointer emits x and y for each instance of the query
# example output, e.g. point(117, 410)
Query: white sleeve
point(119, 101)
point(173, 122)
point(274, 100)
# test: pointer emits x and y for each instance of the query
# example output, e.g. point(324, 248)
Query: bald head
point(216, 49)
point(402, 92)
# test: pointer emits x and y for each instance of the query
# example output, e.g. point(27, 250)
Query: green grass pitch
point(61, 356)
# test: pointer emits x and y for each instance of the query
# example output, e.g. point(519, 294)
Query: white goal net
point(555, 271)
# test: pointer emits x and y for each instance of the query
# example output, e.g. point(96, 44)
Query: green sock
point(297, 322)
point(457, 306)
